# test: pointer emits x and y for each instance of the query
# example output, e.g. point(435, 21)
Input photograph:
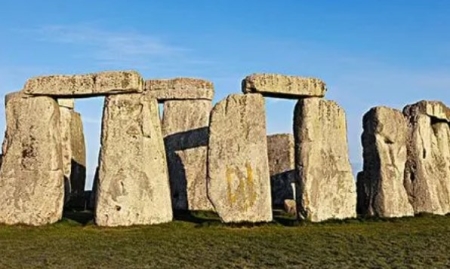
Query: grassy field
point(199, 241)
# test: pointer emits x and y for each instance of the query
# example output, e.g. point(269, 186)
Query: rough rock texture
point(185, 130)
point(326, 186)
point(10, 96)
point(384, 144)
point(290, 206)
point(179, 89)
point(427, 174)
point(281, 166)
point(238, 169)
point(275, 85)
point(78, 161)
point(31, 176)
point(74, 156)
point(65, 121)
point(66, 102)
point(133, 185)
point(96, 84)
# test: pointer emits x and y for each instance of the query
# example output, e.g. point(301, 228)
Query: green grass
point(200, 241)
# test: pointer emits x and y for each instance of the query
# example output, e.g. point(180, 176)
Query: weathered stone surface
point(281, 167)
point(74, 156)
point(275, 85)
point(65, 121)
point(290, 206)
point(133, 185)
point(78, 161)
point(384, 151)
point(326, 186)
point(427, 173)
point(185, 130)
point(95, 84)
point(31, 176)
point(66, 102)
point(179, 89)
point(10, 96)
point(238, 169)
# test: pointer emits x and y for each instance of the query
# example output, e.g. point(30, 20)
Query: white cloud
point(110, 47)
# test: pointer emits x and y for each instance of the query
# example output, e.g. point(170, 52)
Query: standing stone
point(65, 121)
point(78, 161)
point(31, 176)
point(133, 185)
point(281, 86)
point(384, 144)
point(427, 174)
point(185, 130)
point(326, 185)
point(74, 155)
point(281, 166)
point(238, 169)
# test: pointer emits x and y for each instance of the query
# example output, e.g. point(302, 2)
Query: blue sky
point(369, 53)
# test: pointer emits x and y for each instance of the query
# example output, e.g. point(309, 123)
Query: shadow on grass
point(81, 217)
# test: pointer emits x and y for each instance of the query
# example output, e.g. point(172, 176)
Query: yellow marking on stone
point(229, 177)
point(250, 185)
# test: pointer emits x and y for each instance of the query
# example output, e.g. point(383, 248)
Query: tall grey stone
point(74, 156)
point(281, 86)
point(133, 184)
point(326, 185)
point(238, 169)
point(31, 176)
point(281, 167)
point(427, 174)
point(384, 150)
point(185, 130)
point(78, 161)
point(95, 84)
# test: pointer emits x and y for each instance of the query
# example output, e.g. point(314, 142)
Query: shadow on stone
point(74, 187)
point(178, 182)
point(177, 173)
point(281, 188)
point(186, 140)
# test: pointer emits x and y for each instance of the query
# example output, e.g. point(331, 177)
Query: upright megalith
point(179, 89)
point(78, 161)
point(185, 130)
point(276, 85)
point(427, 174)
point(133, 184)
point(326, 187)
point(95, 84)
point(238, 169)
point(73, 153)
point(384, 150)
point(281, 167)
point(31, 175)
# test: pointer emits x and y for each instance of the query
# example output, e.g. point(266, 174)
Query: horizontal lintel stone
point(179, 89)
point(95, 84)
point(282, 86)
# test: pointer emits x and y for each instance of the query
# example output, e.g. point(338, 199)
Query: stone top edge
point(89, 83)
point(276, 75)
point(431, 108)
point(86, 75)
point(178, 83)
